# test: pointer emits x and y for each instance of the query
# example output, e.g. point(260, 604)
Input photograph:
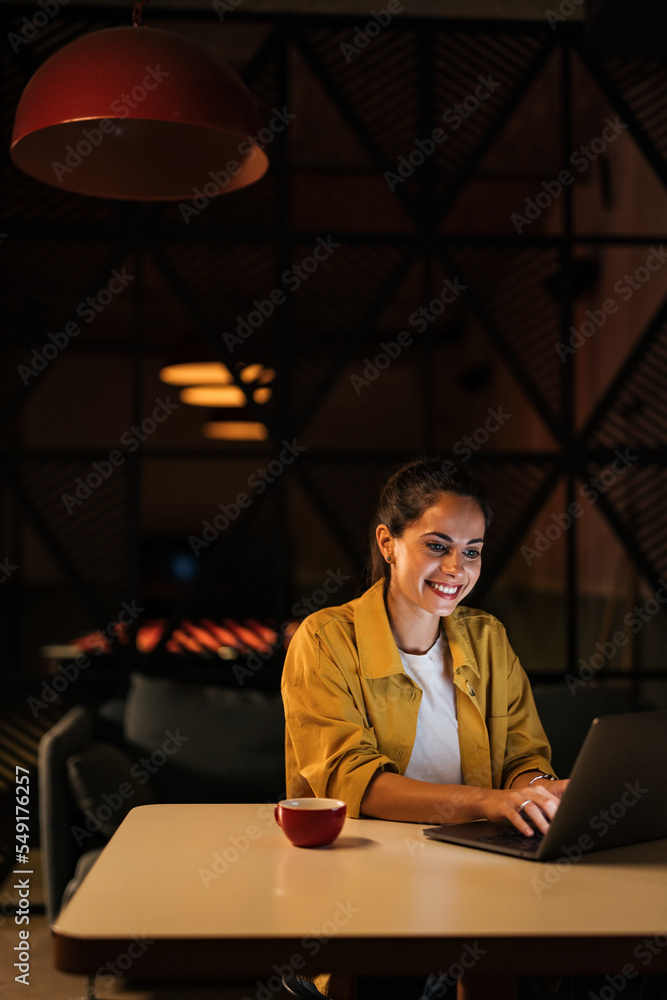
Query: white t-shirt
point(436, 755)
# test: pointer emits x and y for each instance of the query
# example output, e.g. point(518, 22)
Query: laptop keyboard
point(514, 838)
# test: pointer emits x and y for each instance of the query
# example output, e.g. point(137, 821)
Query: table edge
point(209, 958)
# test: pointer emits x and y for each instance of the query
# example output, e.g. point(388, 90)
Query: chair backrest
point(57, 809)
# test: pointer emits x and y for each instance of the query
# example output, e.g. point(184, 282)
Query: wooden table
point(202, 891)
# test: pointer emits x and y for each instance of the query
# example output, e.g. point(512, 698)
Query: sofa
point(167, 740)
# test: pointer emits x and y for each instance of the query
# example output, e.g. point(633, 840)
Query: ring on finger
point(524, 804)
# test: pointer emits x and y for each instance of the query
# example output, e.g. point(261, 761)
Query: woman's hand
point(395, 797)
point(557, 787)
point(518, 805)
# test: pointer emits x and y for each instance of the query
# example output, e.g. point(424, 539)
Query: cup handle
point(276, 813)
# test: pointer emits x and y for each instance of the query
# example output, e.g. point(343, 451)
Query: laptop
point(617, 795)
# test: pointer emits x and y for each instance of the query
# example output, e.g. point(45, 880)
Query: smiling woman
point(405, 704)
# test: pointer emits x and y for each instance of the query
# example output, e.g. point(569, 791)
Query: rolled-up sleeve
point(331, 750)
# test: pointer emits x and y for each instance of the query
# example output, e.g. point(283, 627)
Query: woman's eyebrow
point(446, 538)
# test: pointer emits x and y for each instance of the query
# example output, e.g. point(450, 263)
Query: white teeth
point(442, 588)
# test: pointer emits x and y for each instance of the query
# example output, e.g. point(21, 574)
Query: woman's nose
point(451, 563)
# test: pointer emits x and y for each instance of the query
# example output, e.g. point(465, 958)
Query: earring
point(388, 558)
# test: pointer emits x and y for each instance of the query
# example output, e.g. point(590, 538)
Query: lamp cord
point(138, 14)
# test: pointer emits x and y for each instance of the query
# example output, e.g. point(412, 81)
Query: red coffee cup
point(310, 822)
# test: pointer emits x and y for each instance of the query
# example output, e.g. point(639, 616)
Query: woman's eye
point(436, 547)
point(472, 553)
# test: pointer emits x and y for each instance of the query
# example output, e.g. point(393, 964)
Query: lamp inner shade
point(138, 160)
point(138, 113)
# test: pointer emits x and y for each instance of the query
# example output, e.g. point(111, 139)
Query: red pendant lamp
point(138, 113)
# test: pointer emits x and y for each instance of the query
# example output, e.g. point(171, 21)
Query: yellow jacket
point(351, 709)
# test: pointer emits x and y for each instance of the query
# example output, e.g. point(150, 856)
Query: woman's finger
point(534, 812)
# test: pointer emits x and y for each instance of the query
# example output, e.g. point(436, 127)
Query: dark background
point(494, 349)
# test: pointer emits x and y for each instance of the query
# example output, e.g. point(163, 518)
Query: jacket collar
point(460, 646)
point(378, 652)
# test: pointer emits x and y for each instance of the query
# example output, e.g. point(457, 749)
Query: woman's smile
point(447, 590)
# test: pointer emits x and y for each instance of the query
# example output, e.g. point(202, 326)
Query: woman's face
point(437, 560)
